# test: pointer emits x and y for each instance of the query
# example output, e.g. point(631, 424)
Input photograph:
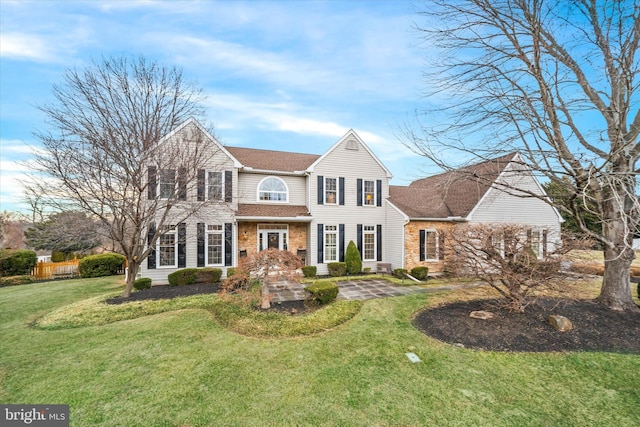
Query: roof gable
point(452, 194)
point(352, 142)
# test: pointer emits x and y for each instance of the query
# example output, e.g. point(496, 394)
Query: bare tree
point(556, 80)
point(11, 231)
point(69, 231)
point(115, 150)
point(507, 258)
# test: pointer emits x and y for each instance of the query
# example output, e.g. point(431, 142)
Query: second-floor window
point(331, 191)
point(166, 183)
point(369, 193)
point(214, 186)
point(273, 189)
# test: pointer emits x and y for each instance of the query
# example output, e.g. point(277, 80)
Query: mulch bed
point(167, 292)
point(595, 328)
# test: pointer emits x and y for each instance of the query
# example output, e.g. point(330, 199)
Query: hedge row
point(189, 276)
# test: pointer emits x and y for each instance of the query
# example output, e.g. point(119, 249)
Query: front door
point(273, 240)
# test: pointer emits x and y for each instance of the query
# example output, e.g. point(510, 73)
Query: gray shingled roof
point(271, 160)
point(449, 194)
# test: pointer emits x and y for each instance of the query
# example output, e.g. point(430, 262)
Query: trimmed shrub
point(186, 276)
point(17, 262)
point(231, 271)
point(57, 256)
point(322, 292)
point(143, 283)
point(209, 275)
point(400, 273)
point(420, 273)
point(101, 265)
point(352, 259)
point(16, 280)
point(309, 271)
point(337, 269)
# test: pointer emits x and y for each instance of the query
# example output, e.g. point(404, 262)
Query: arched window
point(273, 189)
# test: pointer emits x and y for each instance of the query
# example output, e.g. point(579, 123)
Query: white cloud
point(25, 46)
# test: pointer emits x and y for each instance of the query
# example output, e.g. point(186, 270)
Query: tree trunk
point(133, 269)
point(618, 254)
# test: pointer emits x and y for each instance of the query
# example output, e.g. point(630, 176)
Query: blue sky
point(282, 75)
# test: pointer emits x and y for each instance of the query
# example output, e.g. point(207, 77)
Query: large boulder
point(559, 323)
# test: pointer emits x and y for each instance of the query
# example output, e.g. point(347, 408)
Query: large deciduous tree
point(70, 231)
point(107, 151)
point(558, 81)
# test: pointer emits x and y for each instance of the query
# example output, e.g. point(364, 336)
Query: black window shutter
point(441, 245)
point(228, 186)
point(152, 184)
point(379, 242)
point(359, 192)
point(320, 190)
point(341, 242)
point(359, 240)
point(320, 243)
point(341, 190)
point(200, 239)
point(182, 245)
point(201, 184)
point(182, 183)
point(228, 244)
point(151, 259)
point(423, 239)
point(379, 192)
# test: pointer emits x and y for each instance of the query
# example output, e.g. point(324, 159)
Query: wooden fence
point(53, 270)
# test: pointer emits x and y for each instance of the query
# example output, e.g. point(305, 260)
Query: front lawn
point(183, 368)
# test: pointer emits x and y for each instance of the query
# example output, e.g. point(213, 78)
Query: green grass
point(184, 368)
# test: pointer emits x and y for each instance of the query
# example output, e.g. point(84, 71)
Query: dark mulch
point(293, 308)
point(595, 328)
point(167, 292)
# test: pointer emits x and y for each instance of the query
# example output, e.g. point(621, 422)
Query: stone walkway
point(357, 290)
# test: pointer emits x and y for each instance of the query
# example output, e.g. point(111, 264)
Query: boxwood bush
point(337, 269)
point(352, 259)
point(101, 265)
point(143, 283)
point(17, 262)
point(309, 271)
point(322, 292)
point(189, 276)
point(208, 275)
point(400, 273)
point(420, 273)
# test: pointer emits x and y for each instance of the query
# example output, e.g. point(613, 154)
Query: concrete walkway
point(357, 290)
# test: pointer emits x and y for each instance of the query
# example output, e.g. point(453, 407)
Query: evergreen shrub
point(101, 265)
point(322, 292)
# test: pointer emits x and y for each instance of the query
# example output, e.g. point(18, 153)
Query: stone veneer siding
point(412, 244)
point(297, 236)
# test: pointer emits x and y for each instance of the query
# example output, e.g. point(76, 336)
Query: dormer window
point(273, 189)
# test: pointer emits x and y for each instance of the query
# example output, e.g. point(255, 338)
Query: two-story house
point(313, 205)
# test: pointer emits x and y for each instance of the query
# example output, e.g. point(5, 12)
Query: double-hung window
point(369, 193)
point(369, 243)
point(214, 185)
point(215, 245)
point(331, 191)
point(167, 247)
point(330, 243)
point(536, 243)
point(497, 242)
point(166, 183)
